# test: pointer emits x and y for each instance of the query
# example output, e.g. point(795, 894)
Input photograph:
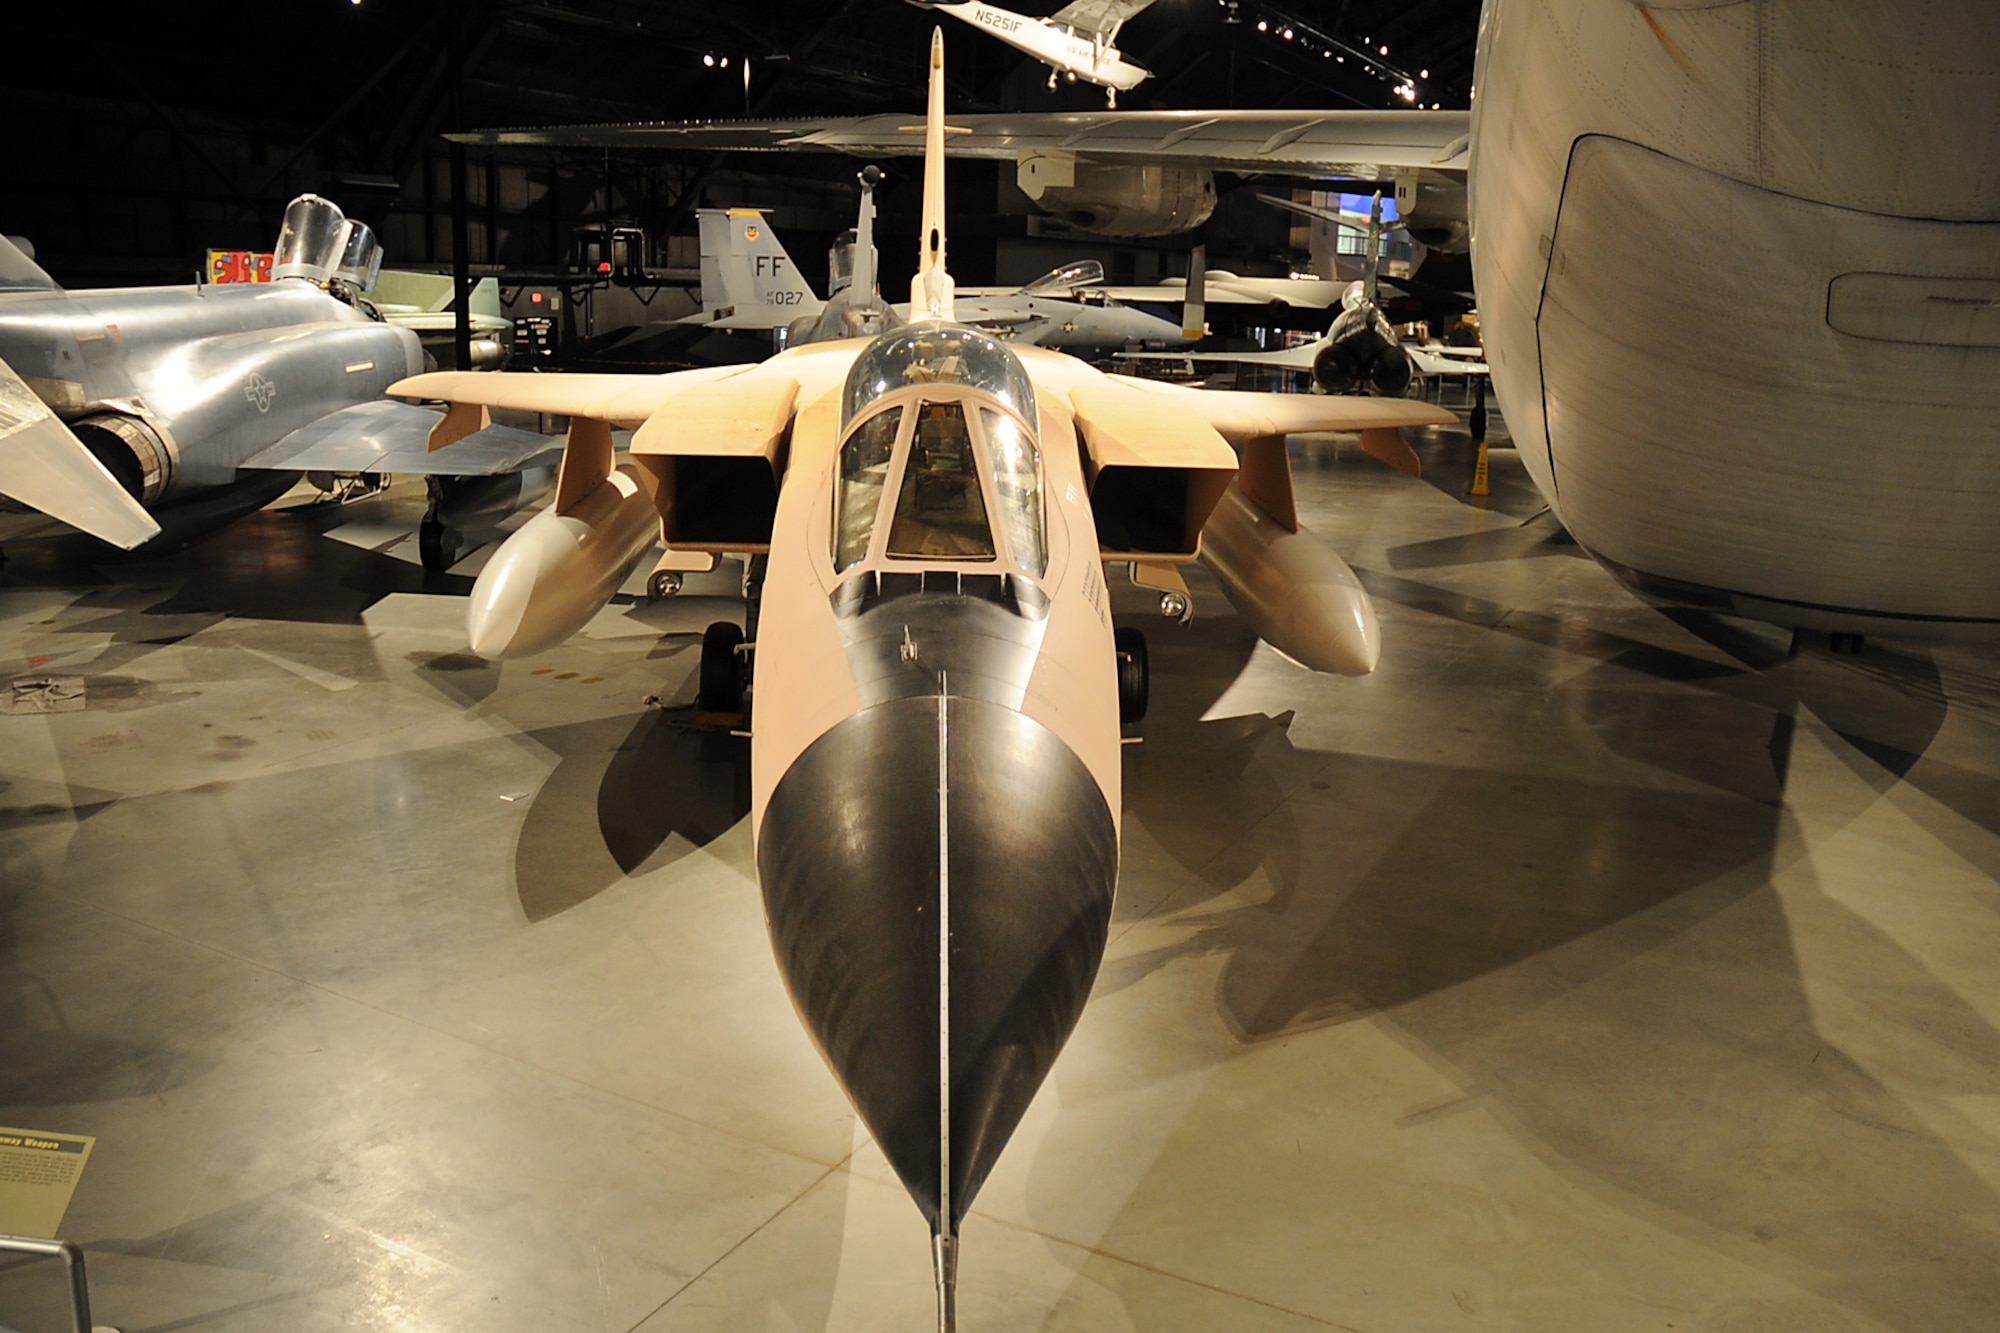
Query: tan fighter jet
point(938, 686)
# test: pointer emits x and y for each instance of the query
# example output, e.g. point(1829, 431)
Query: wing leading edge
point(1348, 144)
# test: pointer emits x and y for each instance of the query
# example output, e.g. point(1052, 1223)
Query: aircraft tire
point(721, 672)
point(1134, 676)
point(437, 545)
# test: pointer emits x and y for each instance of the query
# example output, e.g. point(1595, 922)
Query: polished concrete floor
point(1584, 968)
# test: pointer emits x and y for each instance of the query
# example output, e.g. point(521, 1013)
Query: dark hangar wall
point(156, 132)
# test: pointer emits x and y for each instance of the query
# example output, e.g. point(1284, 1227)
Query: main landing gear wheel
point(721, 669)
point(437, 545)
point(1134, 677)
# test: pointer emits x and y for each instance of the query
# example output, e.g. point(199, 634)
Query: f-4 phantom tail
point(936, 684)
point(132, 413)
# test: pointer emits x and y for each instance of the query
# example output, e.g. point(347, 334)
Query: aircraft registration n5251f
point(1079, 40)
point(938, 685)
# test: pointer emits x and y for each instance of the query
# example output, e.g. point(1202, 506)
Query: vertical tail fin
point(931, 290)
point(864, 237)
point(747, 279)
point(1194, 306)
point(1373, 262)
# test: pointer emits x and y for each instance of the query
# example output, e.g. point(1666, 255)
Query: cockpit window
point(864, 471)
point(940, 513)
point(1082, 273)
point(1017, 485)
point(930, 353)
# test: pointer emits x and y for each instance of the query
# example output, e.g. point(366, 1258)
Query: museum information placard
point(38, 1174)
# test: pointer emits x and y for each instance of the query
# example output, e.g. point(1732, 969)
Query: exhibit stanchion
point(76, 1293)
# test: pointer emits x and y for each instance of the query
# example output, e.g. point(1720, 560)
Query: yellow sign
point(38, 1174)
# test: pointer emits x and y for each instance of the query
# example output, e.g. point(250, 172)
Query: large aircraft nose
point(856, 886)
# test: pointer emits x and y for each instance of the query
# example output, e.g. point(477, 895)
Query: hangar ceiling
point(181, 129)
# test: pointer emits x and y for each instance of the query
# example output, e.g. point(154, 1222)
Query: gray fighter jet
point(150, 416)
point(1360, 352)
point(748, 281)
point(130, 412)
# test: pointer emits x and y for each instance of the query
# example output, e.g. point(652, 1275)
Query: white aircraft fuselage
point(1094, 61)
point(1739, 278)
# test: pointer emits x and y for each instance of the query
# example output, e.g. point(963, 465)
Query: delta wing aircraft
point(748, 281)
point(1078, 41)
point(938, 687)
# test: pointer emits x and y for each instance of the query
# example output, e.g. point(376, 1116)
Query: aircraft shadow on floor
point(1420, 877)
point(1605, 968)
point(627, 797)
point(1532, 538)
point(45, 1060)
point(275, 564)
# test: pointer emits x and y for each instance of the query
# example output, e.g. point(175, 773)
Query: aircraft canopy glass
point(1082, 273)
point(944, 475)
point(864, 471)
point(940, 512)
point(310, 241)
point(927, 353)
point(1017, 486)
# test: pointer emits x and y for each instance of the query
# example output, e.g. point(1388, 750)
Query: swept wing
point(1365, 145)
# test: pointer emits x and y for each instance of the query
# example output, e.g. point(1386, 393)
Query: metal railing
point(72, 1260)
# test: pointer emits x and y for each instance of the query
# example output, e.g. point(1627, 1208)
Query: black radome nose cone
point(848, 858)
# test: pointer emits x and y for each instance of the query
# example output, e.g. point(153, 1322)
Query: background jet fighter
point(131, 413)
point(748, 281)
point(1360, 349)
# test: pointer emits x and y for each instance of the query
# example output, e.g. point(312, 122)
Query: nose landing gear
point(1134, 676)
point(721, 689)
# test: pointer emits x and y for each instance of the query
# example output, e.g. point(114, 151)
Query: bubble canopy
point(935, 353)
